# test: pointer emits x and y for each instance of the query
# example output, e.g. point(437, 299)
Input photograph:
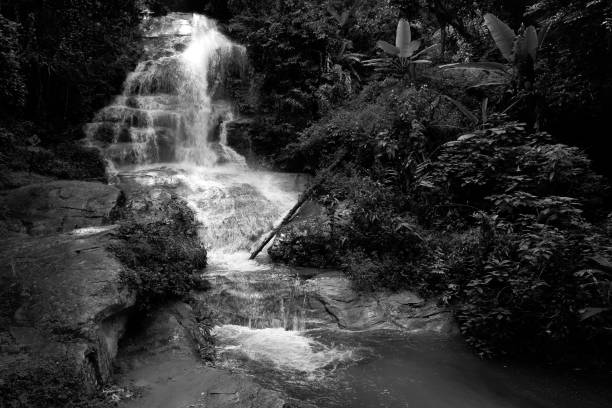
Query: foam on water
point(284, 349)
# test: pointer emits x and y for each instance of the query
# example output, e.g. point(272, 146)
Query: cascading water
point(168, 130)
point(172, 107)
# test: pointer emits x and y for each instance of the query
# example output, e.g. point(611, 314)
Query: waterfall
point(172, 108)
point(168, 131)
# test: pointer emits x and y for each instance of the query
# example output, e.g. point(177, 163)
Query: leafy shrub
point(387, 124)
point(22, 151)
point(522, 284)
point(306, 243)
point(525, 288)
point(504, 160)
point(163, 256)
point(364, 232)
point(74, 57)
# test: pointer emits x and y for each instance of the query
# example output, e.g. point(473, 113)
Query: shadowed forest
point(453, 149)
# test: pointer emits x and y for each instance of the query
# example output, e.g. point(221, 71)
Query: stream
point(168, 130)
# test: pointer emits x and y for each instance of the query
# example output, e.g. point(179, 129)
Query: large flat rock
point(65, 299)
point(57, 206)
point(333, 293)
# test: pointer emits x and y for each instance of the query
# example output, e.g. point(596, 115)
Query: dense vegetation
point(459, 175)
point(160, 247)
point(471, 151)
point(308, 57)
point(61, 61)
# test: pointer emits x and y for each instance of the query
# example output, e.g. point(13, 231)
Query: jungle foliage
point(162, 252)
point(473, 186)
point(61, 61)
point(462, 184)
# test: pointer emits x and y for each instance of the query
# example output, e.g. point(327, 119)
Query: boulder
point(63, 297)
point(57, 206)
point(351, 310)
point(333, 293)
point(63, 300)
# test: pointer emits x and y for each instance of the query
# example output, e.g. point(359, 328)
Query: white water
point(168, 129)
point(169, 111)
point(283, 349)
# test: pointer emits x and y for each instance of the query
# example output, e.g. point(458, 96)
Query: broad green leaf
point(425, 50)
point(411, 49)
point(483, 66)
point(403, 38)
point(531, 42)
point(486, 84)
point(388, 48)
point(374, 61)
point(485, 110)
point(503, 35)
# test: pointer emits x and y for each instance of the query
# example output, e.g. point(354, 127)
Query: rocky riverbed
point(64, 298)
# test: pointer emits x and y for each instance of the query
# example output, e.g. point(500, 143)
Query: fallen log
point(303, 198)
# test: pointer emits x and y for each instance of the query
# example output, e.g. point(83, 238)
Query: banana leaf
point(482, 66)
point(403, 38)
point(531, 42)
point(388, 48)
point(411, 49)
point(425, 50)
point(503, 35)
point(487, 84)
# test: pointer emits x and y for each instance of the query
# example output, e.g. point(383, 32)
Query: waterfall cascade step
point(169, 110)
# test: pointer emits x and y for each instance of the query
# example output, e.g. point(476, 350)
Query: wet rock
point(333, 293)
point(65, 301)
point(350, 309)
point(160, 360)
point(58, 206)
